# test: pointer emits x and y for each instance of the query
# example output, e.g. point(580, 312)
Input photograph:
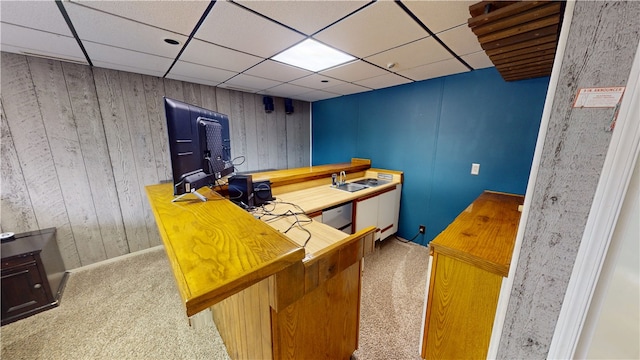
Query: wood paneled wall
point(79, 144)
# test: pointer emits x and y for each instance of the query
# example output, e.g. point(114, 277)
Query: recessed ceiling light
point(171, 41)
point(312, 55)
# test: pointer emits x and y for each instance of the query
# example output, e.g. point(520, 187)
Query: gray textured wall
point(79, 144)
point(601, 45)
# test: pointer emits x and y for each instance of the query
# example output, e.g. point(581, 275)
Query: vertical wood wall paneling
point(15, 205)
point(113, 112)
point(297, 132)
point(173, 89)
point(208, 94)
point(86, 112)
point(192, 94)
point(62, 133)
point(262, 134)
point(137, 121)
point(154, 90)
point(101, 134)
point(25, 122)
point(267, 134)
point(237, 125)
point(250, 128)
point(281, 131)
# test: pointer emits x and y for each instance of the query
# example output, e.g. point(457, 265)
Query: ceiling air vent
point(520, 37)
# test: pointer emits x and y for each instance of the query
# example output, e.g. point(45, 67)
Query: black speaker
point(262, 192)
point(268, 103)
point(288, 106)
point(241, 190)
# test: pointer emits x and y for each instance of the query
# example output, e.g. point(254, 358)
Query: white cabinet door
point(387, 213)
point(367, 214)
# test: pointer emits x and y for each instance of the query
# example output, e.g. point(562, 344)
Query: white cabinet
point(380, 210)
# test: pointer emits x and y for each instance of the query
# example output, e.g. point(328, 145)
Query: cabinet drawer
point(18, 261)
point(23, 290)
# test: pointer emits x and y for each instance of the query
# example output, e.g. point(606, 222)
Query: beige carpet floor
point(130, 309)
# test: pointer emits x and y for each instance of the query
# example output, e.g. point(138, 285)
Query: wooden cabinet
point(381, 210)
point(469, 260)
point(32, 274)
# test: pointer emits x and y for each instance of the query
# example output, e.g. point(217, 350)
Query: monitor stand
point(194, 192)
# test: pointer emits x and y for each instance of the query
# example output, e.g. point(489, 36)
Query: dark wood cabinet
point(32, 274)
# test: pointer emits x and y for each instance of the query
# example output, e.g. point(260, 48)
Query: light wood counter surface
point(484, 233)
point(215, 248)
point(469, 261)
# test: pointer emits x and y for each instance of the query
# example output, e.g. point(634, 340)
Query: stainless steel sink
point(371, 182)
point(350, 187)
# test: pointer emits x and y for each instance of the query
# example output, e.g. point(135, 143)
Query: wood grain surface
point(484, 233)
point(215, 248)
point(462, 307)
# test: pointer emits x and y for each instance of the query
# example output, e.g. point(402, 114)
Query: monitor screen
point(199, 145)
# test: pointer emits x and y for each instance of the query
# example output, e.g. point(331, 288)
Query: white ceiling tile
point(252, 82)
point(19, 39)
point(286, 90)
point(316, 81)
point(256, 35)
point(421, 52)
point(193, 80)
point(204, 53)
point(98, 27)
point(316, 95)
point(440, 15)
point(383, 81)
point(478, 60)
point(40, 15)
point(305, 16)
point(117, 58)
point(354, 71)
point(461, 40)
point(195, 71)
point(177, 16)
point(278, 71)
point(347, 88)
point(430, 71)
point(376, 28)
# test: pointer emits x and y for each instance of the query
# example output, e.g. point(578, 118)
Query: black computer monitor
point(199, 144)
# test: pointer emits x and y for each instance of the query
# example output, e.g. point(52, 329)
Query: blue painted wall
point(433, 130)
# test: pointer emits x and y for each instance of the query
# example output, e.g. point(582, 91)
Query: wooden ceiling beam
point(538, 33)
point(504, 9)
point(548, 9)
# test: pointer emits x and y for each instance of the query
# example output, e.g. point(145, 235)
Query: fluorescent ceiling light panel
point(312, 55)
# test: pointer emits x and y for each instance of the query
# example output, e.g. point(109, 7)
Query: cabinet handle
point(37, 286)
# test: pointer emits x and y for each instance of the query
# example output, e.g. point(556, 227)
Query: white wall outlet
point(475, 169)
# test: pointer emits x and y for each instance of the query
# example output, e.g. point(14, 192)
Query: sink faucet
point(343, 177)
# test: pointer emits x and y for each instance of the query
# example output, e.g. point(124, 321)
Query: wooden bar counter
point(468, 262)
point(270, 297)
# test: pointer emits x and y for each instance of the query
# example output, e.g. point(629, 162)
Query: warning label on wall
point(602, 97)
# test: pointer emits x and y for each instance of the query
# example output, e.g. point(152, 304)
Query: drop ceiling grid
point(376, 28)
point(19, 39)
point(106, 29)
point(234, 43)
point(288, 12)
point(207, 54)
point(39, 15)
point(256, 35)
point(175, 16)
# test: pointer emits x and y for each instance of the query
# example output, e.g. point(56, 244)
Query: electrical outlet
point(475, 169)
point(421, 229)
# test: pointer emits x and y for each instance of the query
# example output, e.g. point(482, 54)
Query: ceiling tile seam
point(36, 29)
point(267, 18)
point(67, 19)
point(419, 22)
point(193, 32)
point(125, 18)
point(344, 17)
point(128, 49)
